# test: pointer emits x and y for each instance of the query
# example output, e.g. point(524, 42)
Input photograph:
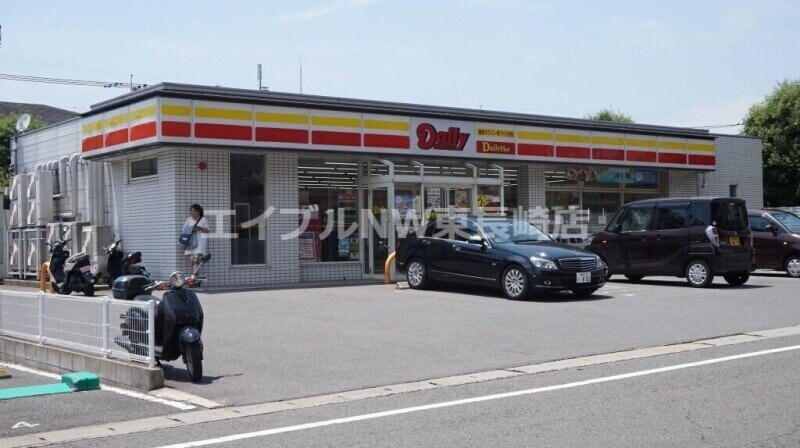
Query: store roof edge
point(237, 95)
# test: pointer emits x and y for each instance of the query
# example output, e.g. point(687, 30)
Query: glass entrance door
point(378, 243)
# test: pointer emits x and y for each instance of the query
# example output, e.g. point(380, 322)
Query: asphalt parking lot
point(280, 344)
point(263, 346)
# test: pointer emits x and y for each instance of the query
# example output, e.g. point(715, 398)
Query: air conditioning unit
point(95, 237)
point(30, 217)
point(15, 254)
point(30, 185)
point(36, 252)
point(18, 215)
point(13, 189)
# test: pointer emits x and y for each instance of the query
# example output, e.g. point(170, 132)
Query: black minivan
point(696, 238)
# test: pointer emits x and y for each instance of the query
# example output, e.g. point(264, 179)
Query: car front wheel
point(698, 274)
point(793, 266)
point(417, 274)
point(515, 283)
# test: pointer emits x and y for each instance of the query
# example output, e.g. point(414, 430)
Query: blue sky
point(685, 63)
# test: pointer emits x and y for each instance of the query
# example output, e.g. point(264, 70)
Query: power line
point(717, 126)
point(73, 82)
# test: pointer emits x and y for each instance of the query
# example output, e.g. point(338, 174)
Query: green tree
point(7, 131)
point(776, 121)
point(609, 114)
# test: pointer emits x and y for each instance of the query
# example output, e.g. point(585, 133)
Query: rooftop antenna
point(260, 87)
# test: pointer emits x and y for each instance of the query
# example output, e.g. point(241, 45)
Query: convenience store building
point(131, 167)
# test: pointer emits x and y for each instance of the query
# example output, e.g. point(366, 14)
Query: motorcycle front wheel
point(194, 360)
point(64, 290)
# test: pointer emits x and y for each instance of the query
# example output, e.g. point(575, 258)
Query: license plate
point(86, 268)
point(734, 240)
point(584, 277)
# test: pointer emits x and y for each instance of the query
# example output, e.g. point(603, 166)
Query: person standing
point(199, 226)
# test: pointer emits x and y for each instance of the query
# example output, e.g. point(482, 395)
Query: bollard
point(387, 268)
point(44, 278)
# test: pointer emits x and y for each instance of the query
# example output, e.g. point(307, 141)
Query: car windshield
point(513, 231)
point(789, 220)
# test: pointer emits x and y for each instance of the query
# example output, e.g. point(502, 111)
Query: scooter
point(69, 273)
point(178, 320)
point(119, 264)
point(115, 266)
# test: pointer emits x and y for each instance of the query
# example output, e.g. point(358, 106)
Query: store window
point(328, 192)
point(489, 200)
point(248, 205)
point(597, 192)
point(143, 168)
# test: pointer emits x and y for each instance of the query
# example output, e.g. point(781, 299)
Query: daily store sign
point(186, 121)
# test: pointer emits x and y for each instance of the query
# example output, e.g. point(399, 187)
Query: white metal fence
point(112, 328)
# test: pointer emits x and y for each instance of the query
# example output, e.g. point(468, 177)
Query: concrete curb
point(60, 360)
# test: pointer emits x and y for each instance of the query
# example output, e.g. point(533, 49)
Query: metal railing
point(111, 328)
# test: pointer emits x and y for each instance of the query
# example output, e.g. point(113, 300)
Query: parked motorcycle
point(178, 320)
point(119, 264)
point(69, 273)
point(116, 258)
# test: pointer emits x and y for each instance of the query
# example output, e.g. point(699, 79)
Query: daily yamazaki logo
point(450, 140)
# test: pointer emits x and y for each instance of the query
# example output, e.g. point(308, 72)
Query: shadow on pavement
point(181, 375)
point(682, 283)
point(554, 297)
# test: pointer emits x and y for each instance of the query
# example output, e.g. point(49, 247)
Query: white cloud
point(323, 10)
point(722, 113)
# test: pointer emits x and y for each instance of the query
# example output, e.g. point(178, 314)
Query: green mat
point(70, 382)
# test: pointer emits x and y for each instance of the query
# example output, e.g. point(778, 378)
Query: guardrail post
point(151, 333)
point(1, 312)
point(105, 327)
point(41, 318)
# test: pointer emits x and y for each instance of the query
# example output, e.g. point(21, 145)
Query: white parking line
point(116, 390)
point(446, 404)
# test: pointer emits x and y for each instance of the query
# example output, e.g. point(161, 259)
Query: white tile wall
point(148, 219)
point(683, 183)
point(739, 161)
point(211, 189)
point(47, 144)
point(320, 272)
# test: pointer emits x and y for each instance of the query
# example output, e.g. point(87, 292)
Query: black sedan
point(505, 252)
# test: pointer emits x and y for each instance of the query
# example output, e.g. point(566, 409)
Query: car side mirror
point(771, 228)
point(476, 239)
